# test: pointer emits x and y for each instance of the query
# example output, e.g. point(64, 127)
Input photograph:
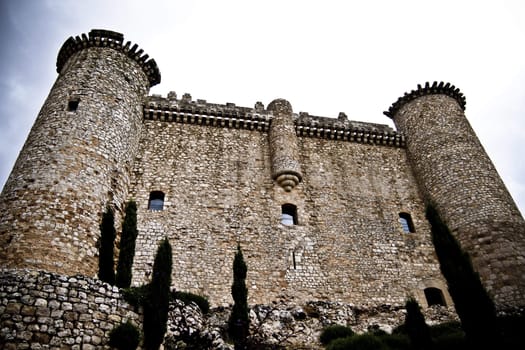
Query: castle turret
point(455, 173)
point(77, 157)
point(286, 170)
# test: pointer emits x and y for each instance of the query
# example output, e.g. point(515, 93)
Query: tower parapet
point(456, 175)
point(113, 40)
point(78, 156)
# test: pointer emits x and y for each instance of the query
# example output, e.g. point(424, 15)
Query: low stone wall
point(41, 310)
point(287, 325)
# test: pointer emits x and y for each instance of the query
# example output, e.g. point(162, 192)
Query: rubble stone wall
point(75, 162)
point(348, 244)
point(40, 310)
point(456, 174)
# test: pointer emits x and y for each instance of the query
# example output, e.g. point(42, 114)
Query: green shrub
point(396, 341)
point(156, 304)
point(333, 332)
point(416, 327)
point(125, 336)
point(358, 342)
point(445, 328)
point(472, 302)
point(127, 246)
point(239, 322)
point(136, 295)
point(106, 272)
point(401, 329)
point(452, 340)
point(188, 298)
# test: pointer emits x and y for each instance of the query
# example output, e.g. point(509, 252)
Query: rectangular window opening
point(72, 105)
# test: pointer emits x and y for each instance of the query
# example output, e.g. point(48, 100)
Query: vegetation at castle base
point(107, 242)
point(156, 303)
point(358, 342)
point(447, 336)
point(239, 322)
point(416, 327)
point(125, 336)
point(136, 296)
point(334, 332)
point(188, 298)
point(127, 246)
point(473, 305)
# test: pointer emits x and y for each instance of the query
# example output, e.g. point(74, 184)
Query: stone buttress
point(286, 170)
point(455, 173)
point(77, 157)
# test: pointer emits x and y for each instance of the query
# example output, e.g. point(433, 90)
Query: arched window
point(406, 222)
point(156, 200)
point(288, 214)
point(434, 296)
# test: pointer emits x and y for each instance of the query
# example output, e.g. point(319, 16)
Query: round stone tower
point(77, 157)
point(286, 169)
point(455, 173)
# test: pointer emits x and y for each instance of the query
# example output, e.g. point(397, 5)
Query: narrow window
point(72, 105)
point(434, 296)
point(288, 214)
point(406, 222)
point(156, 201)
point(294, 262)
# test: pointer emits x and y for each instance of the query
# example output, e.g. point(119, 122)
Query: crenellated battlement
point(201, 112)
point(114, 40)
point(347, 130)
point(434, 89)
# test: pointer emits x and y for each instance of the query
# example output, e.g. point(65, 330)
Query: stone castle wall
point(456, 174)
point(76, 159)
point(225, 173)
point(348, 244)
point(40, 310)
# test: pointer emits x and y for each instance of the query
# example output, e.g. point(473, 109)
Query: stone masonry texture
point(74, 163)
point(40, 310)
point(455, 174)
point(225, 173)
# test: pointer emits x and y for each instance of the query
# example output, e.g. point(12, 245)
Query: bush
point(358, 342)
point(188, 298)
point(472, 302)
point(239, 322)
point(396, 341)
point(136, 295)
point(445, 328)
point(333, 332)
point(416, 327)
point(106, 272)
point(156, 304)
point(125, 336)
point(127, 246)
point(451, 341)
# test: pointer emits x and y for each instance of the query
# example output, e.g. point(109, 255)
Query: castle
point(324, 208)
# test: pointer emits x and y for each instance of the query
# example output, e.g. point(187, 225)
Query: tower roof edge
point(434, 89)
point(109, 39)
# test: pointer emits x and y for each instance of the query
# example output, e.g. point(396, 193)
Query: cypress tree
point(156, 303)
point(127, 246)
point(107, 242)
point(416, 327)
point(473, 305)
point(239, 322)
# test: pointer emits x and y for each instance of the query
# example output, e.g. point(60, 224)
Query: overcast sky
point(325, 57)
